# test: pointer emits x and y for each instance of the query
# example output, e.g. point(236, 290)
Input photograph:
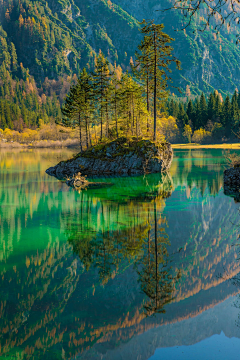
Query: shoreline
point(46, 144)
point(209, 146)
point(42, 144)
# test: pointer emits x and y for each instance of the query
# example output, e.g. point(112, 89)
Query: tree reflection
point(155, 276)
point(141, 240)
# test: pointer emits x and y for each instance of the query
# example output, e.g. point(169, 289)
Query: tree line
point(218, 116)
point(23, 105)
point(123, 104)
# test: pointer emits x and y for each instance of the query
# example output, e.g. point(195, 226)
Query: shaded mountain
point(57, 38)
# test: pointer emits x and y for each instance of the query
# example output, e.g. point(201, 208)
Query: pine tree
point(101, 80)
point(143, 73)
point(182, 118)
point(226, 119)
point(190, 110)
point(159, 58)
point(78, 107)
point(14, 61)
point(211, 107)
point(115, 92)
point(203, 111)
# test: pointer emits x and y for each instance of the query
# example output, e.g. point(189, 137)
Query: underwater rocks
point(232, 183)
point(79, 182)
point(118, 157)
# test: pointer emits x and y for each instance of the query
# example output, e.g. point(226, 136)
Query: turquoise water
point(146, 268)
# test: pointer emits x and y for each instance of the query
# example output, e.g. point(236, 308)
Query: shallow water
point(144, 269)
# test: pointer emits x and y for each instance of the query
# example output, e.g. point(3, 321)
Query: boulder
point(79, 182)
point(118, 157)
point(232, 183)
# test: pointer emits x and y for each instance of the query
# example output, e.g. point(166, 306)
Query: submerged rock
point(119, 157)
point(232, 183)
point(79, 182)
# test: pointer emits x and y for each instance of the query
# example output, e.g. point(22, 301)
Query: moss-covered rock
point(119, 157)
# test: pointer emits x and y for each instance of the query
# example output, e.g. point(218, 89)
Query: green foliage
point(154, 62)
point(208, 117)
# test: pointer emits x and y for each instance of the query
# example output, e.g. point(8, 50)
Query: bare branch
point(225, 12)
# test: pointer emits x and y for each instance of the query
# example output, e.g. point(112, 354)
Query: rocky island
point(119, 157)
point(232, 182)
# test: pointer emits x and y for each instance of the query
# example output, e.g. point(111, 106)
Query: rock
point(119, 157)
point(80, 182)
point(232, 183)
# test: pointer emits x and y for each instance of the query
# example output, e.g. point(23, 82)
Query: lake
point(145, 268)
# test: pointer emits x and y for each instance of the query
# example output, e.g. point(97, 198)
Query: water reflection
point(110, 239)
point(143, 246)
point(156, 279)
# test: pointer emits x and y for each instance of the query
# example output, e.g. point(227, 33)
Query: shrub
point(169, 129)
point(201, 136)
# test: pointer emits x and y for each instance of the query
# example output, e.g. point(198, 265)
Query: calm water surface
point(146, 268)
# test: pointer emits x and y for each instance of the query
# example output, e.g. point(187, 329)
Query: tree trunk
point(101, 108)
point(116, 120)
point(89, 136)
point(86, 130)
point(155, 89)
point(148, 107)
point(156, 252)
point(132, 115)
point(80, 130)
point(107, 122)
point(101, 123)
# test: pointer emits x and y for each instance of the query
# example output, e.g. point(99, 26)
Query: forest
point(36, 102)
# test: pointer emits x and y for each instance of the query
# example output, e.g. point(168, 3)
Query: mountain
point(57, 38)
point(44, 45)
point(208, 61)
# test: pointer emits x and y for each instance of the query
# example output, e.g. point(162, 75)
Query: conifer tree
point(101, 79)
point(182, 118)
point(226, 119)
point(155, 49)
point(211, 107)
point(115, 92)
point(190, 110)
point(77, 108)
point(143, 73)
point(203, 111)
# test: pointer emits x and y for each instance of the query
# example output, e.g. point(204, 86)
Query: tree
point(101, 80)
point(190, 110)
point(211, 107)
point(155, 276)
point(227, 119)
point(115, 91)
point(188, 92)
point(77, 107)
point(157, 54)
point(182, 118)
point(203, 110)
point(14, 61)
point(142, 71)
point(131, 95)
point(187, 132)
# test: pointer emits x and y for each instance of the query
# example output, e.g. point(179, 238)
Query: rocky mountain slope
point(57, 38)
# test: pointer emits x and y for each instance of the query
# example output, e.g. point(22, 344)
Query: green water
point(109, 273)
